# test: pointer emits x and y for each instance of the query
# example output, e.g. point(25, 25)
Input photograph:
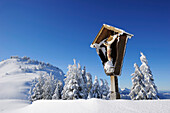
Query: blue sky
point(57, 31)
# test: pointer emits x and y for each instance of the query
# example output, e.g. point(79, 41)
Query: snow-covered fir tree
point(83, 86)
point(89, 81)
point(74, 83)
point(107, 90)
point(30, 93)
point(138, 91)
point(58, 90)
point(95, 90)
point(84, 75)
point(150, 87)
point(37, 92)
point(103, 89)
point(48, 87)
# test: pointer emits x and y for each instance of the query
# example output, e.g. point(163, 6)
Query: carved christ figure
point(108, 44)
point(107, 50)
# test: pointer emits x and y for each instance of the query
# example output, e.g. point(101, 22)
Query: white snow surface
point(90, 106)
point(10, 105)
point(16, 75)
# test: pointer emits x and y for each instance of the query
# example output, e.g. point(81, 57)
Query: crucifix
point(110, 44)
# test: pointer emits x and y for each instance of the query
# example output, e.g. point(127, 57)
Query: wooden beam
point(114, 94)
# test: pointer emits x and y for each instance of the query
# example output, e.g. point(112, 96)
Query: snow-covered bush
point(25, 58)
point(44, 87)
point(40, 67)
point(14, 57)
point(26, 69)
point(29, 61)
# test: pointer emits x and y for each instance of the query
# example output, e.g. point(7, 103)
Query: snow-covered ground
point(88, 106)
point(16, 75)
point(7, 105)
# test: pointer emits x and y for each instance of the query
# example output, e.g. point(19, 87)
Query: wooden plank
point(121, 47)
point(114, 94)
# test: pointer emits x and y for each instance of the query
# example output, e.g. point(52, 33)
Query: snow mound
point(96, 106)
point(109, 67)
point(17, 73)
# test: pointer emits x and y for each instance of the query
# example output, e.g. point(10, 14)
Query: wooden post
point(114, 94)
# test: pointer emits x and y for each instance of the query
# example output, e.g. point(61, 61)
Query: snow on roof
point(116, 29)
point(108, 30)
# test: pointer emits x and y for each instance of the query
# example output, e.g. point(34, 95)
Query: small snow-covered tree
point(138, 91)
point(73, 83)
point(82, 79)
point(58, 90)
point(89, 81)
point(30, 93)
point(48, 87)
point(95, 90)
point(151, 89)
point(84, 75)
point(107, 90)
point(104, 89)
point(37, 91)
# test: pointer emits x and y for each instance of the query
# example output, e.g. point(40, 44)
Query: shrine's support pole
point(114, 94)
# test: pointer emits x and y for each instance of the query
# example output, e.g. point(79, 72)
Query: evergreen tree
point(95, 90)
point(73, 88)
point(138, 91)
point(37, 92)
point(58, 90)
point(84, 75)
point(151, 89)
point(89, 81)
point(107, 91)
point(48, 87)
point(104, 89)
point(83, 87)
point(31, 89)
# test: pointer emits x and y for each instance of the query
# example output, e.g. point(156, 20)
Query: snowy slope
point(95, 106)
point(12, 104)
point(16, 75)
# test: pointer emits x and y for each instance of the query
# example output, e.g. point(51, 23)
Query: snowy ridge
point(17, 73)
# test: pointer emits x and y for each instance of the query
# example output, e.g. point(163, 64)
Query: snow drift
point(96, 106)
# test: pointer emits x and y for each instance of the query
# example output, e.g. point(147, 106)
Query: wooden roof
point(108, 30)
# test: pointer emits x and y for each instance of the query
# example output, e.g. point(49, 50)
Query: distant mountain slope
point(124, 93)
point(16, 75)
